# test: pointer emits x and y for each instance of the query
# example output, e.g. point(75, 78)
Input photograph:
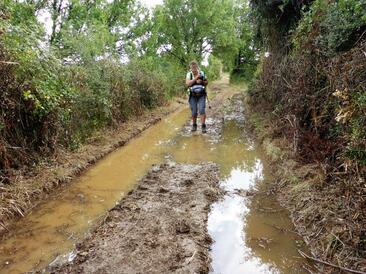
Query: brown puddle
point(55, 226)
point(247, 237)
point(251, 234)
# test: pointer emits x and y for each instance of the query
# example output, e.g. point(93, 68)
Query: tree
point(246, 58)
point(187, 29)
point(88, 29)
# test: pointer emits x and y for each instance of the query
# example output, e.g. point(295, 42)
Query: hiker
point(197, 82)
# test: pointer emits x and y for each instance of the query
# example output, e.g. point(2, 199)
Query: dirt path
point(160, 227)
point(163, 224)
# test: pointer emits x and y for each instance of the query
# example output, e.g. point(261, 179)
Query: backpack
point(197, 90)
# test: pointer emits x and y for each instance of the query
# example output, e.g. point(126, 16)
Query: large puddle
point(55, 226)
point(249, 231)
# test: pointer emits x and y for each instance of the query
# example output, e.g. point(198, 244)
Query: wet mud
point(159, 227)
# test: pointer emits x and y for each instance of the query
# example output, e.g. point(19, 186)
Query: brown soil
point(29, 186)
point(160, 227)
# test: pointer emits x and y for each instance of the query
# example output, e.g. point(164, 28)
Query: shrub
point(50, 99)
point(214, 68)
point(316, 92)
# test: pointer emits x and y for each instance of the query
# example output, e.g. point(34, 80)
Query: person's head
point(194, 66)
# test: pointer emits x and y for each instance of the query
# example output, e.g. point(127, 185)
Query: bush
point(49, 100)
point(316, 93)
point(332, 27)
point(214, 68)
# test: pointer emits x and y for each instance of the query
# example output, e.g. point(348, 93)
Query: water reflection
point(270, 234)
point(246, 239)
point(231, 153)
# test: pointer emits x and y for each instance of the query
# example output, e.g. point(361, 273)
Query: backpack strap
point(204, 78)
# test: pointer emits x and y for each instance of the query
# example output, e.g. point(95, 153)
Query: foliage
point(246, 57)
point(332, 27)
point(59, 89)
point(214, 68)
point(274, 20)
point(100, 62)
point(315, 90)
point(188, 30)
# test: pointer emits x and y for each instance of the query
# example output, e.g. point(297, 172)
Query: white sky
point(151, 3)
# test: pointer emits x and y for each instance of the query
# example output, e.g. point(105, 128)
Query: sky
point(151, 3)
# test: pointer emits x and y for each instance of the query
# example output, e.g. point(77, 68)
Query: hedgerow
point(311, 90)
point(51, 98)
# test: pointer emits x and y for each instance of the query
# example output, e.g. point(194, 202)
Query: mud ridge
point(159, 227)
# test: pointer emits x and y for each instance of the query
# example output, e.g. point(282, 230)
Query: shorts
point(197, 104)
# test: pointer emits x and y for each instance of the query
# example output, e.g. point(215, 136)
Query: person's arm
point(191, 82)
point(203, 82)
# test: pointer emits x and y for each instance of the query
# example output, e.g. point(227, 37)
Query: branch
point(182, 60)
point(9, 63)
point(329, 264)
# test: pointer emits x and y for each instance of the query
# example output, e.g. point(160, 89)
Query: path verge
point(28, 187)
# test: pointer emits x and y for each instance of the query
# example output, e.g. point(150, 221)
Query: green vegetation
point(308, 99)
point(100, 62)
point(314, 85)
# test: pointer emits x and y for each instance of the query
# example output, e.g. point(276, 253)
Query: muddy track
point(29, 187)
point(163, 225)
point(160, 227)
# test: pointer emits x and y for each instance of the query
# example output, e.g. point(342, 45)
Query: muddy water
point(246, 229)
point(53, 228)
point(251, 232)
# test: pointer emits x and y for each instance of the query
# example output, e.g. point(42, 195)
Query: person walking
point(197, 82)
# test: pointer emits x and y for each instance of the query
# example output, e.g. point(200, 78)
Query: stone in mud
point(182, 227)
point(188, 182)
point(142, 187)
point(163, 190)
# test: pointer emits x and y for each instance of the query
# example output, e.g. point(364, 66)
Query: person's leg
point(203, 119)
point(202, 112)
point(194, 111)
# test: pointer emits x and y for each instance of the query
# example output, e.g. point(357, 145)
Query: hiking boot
point(194, 128)
point(204, 130)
